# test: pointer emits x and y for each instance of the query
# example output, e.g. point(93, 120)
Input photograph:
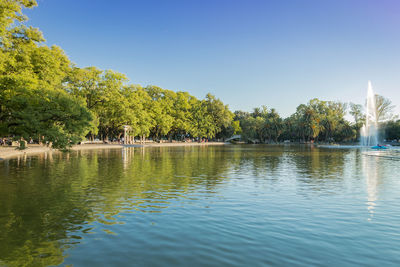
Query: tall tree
point(32, 100)
point(384, 108)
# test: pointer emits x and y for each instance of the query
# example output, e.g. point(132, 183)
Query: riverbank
point(11, 152)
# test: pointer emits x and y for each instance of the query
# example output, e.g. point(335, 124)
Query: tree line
point(45, 97)
point(316, 121)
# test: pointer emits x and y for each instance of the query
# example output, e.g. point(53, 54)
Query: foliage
point(317, 120)
point(45, 97)
point(56, 116)
point(32, 100)
point(262, 125)
point(384, 108)
point(392, 130)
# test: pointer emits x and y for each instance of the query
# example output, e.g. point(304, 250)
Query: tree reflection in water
point(49, 202)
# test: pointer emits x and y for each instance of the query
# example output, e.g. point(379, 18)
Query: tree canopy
point(45, 97)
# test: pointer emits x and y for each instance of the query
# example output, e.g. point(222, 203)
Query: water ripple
point(215, 206)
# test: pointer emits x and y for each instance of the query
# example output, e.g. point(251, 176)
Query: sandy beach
point(10, 152)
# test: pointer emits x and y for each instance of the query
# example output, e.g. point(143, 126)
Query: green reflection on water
point(45, 198)
point(49, 201)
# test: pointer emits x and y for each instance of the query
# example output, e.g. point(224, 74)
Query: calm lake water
point(233, 205)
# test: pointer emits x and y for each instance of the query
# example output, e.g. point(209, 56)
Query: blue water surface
point(233, 205)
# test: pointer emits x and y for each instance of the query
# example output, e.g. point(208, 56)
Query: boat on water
point(379, 147)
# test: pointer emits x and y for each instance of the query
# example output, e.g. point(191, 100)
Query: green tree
point(384, 108)
point(57, 116)
point(161, 110)
point(32, 100)
point(201, 124)
point(392, 130)
point(219, 114)
point(333, 116)
point(181, 113)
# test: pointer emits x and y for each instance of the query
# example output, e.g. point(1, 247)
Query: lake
point(233, 205)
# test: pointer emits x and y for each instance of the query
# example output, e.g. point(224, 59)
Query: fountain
point(369, 131)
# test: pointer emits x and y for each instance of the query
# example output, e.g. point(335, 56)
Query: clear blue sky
point(248, 53)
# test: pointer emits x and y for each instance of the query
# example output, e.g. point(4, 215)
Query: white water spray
point(369, 131)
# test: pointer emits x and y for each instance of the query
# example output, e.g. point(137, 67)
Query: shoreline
point(12, 152)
